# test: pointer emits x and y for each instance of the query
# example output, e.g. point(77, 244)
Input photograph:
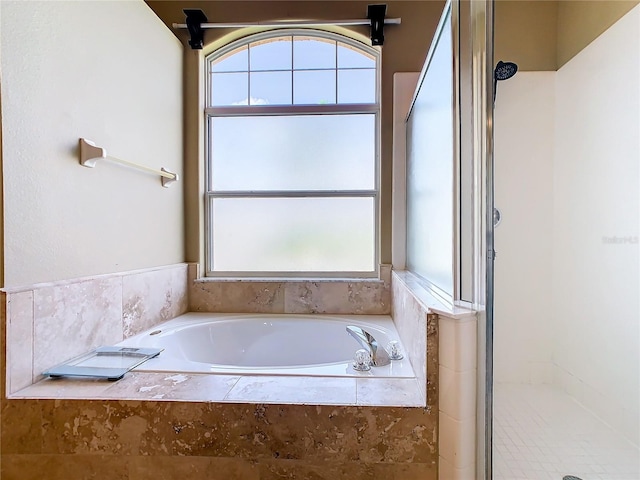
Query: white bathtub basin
point(266, 344)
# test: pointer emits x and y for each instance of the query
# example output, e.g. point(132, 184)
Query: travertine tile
point(327, 470)
point(255, 433)
point(172, 386)
point(295, 390)
point(74, 318)
point(65, 388)
point(403, 392)
point(152, 297)
point(371, 297)
point(300, 469)
point(236, 297)
point(433, 354)
point(410, 319)
point(21, 430)
point(65, 467)
point(192, 468)
point(20, 340)
point(104, 427)
point(327, 433)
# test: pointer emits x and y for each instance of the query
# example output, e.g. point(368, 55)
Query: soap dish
point(104, 362)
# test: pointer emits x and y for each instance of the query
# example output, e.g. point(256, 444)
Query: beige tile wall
point(357, 297)
point(50, 323)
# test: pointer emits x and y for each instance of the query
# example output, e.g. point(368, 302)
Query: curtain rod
point(197, 23)
point(293, 23)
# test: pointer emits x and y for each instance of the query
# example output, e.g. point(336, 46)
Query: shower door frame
point(482, 27)
point(476, 23)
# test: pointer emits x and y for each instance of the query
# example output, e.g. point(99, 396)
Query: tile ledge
point(88, 278)
point(429, 300)
point(92, 389)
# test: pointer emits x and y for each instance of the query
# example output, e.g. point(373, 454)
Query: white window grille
point(292, 156)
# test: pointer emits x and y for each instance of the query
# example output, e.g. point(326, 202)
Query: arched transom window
point(292, 156)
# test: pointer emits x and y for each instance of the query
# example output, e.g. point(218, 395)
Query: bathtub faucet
point(379, 355)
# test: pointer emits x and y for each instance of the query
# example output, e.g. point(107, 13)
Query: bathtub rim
point(168, 363)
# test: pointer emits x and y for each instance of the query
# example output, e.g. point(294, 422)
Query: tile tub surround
point(49, 323)
point(333, 296)
point(209, 426)
point(134, 439)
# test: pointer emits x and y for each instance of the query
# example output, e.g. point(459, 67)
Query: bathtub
point(266, 344)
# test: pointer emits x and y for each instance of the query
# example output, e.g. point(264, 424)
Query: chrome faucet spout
point(379, 355)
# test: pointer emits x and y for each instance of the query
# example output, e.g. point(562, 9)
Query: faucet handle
point(393, 349)
point(362, 360)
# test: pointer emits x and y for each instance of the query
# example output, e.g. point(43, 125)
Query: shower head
point(505, 70)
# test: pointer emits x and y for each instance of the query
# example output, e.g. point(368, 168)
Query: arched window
point(292, 156)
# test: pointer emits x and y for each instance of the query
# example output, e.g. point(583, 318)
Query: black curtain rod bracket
point(195, 19)
point(376, 14)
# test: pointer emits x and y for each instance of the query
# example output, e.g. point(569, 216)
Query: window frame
point(210, 112)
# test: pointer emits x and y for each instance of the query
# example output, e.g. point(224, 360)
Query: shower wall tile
point(458, 348)
point(364, 297)
point(152, 297)
point(448, 472)
point(20, 336)
point(74, 318)
point(457, 393)
point(236, 296)
point(456, 439)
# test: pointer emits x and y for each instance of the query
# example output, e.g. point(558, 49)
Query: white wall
point(524, 133)
point(596, 288)
point(110, 72)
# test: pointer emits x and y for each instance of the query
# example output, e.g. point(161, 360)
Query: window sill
point(289, 279)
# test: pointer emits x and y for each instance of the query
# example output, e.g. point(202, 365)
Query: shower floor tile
point(541, 433)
